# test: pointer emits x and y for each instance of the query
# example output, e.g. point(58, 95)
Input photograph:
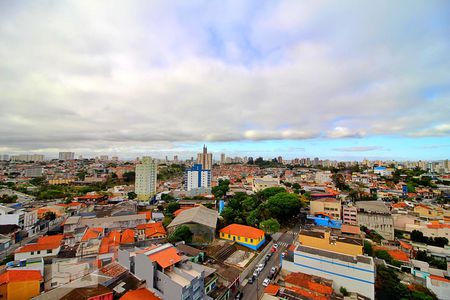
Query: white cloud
point(84, 75)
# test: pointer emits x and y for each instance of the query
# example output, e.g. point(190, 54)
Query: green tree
point(129, 177)
point(270, 226)
point(221, 189)
point(8, 199)
point(167, 220)
point(132, 195)
point(172, 207)
point(283, 206)
point(269, 192)
point(296, 186)
point(368, 249)
point(182, 233)
point(388, 285)
point(343, 291)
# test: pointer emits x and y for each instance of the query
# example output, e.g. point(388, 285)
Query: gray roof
point(199, 214)
point(373, 206)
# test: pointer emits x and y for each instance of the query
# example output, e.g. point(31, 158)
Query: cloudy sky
point(335, 79)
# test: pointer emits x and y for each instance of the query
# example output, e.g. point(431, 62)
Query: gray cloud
point(358, 149)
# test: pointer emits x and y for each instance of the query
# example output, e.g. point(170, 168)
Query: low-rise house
point(20, 284)
point(151, 231)
point(44, 247)
point(247, 236)
point(98, 292)
point(329, 206)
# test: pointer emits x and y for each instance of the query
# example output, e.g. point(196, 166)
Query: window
point(251, 240)
point(32, 252)
point(49, 251)
point(38, 252)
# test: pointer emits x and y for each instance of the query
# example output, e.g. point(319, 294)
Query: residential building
point(145, 183)
point(205, 159)
point(151, 231)
point(44, 247)
point(196, 177)
point(247, 236)
point(335, 258)
point(222, 158)
point(66, 155)
point(329, 206)
point(20, 284)
point(259, 184)
point(34, 172)
point(349, 213)
point(165, 273)
point(28, 157)
point(429, 212)
point(375, 215)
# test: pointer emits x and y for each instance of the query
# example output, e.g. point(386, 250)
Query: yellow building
point(430, 212)
point(328, 206)
point(324, 241)
point(60, 181)
point(20, 284)
point(247, 236)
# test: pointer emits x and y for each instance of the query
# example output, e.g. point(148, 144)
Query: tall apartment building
point(205, 159)
point(104, 157)
point(66, 156)
point(165, 272)
point(349, 213)
point(196, 177)
point(34, 172)
point(334, 257)
point(222, 158)
point(145, 183)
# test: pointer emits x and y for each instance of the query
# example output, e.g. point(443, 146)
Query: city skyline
point(256, 78)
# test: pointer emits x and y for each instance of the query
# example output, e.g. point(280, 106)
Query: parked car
point(266, 282)
point(275, 246)
point(252, 279)
point(239, 295)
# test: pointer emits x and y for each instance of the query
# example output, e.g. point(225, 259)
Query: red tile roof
point(307, 281)
point(272, 289)
point(437, 225)
point(243, 230)
point(148, 214)
point(178, 211)
point(139, 294)
point(345, 228)
point(405, 245)
point(114, 236)
point(20, 275)
point(44, 243)
point(127, 236)
point(92, 233)
point(152, 229)
point(398, 255)
point(399, 205)
point(166, 258)
point(435, 277)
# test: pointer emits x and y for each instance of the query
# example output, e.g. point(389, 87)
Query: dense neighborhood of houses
point(236, 228)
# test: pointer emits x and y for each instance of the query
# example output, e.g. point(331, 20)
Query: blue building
point(196, 177)
point(325, 220)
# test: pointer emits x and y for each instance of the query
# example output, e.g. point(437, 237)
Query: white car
point(266, 282)
point(275, 246)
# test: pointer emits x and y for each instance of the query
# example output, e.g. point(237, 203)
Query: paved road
point(255, 290)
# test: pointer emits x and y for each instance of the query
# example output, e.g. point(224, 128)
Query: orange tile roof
point(44, 243)
point(272, 289)
point(399, 205)
point(306, 281)
point(398, 255)
point(151, 229)
point(114, 236)
point(405, 245)
point(166, 257)
point(178, 211)
point(92, 233)
point(440, 278)
point(20, 275)
point(437, 224)
point(307, 294)
point(243, 230)
point(127, 236)
point(106, 245)
point(139, 294)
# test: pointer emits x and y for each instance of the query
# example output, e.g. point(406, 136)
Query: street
point(255, 290)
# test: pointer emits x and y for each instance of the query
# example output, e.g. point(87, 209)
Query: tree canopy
point(182, 233)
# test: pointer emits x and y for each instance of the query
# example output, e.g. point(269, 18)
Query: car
point(273, 269)
point(239, 295)
point(266, 282)
point(275, 246)
point(255, 274)
point(283, 254)
point(261, 266)
point(252, 279)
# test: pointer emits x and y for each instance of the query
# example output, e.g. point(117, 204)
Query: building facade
point(66, 156)
point(205, 159)
point(145, 184)
point(197, 177)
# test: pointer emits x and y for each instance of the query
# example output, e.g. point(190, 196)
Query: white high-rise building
point(196, 178)
point(145, 184)
point(222, 158)
point(66, 155)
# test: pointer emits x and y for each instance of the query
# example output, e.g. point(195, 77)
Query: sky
point(333, 79)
